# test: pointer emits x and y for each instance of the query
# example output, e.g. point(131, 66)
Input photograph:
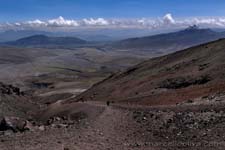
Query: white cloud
point(210, 22)
point(36, 22)
point(96, 22)
point(61, 22)
point(18, 24)
point(168, 19)
point(165, 22)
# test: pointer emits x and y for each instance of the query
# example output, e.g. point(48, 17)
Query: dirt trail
point(102, 133)
point(111, 130)
point(128, 128)
point(108, 130)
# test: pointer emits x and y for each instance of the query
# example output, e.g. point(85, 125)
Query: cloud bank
point(165, 22)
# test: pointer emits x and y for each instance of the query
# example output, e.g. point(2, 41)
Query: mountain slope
point(42, 40)
point(171, 41)
point(178, 77)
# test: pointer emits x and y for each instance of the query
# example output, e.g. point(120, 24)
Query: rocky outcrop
point(13, 123)
point(10, 90)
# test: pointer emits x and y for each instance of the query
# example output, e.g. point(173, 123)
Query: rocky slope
point(171, 79)
point(94, 125)
point(14, 102)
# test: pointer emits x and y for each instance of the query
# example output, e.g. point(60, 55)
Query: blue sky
point(21, 10)
point(98, 14)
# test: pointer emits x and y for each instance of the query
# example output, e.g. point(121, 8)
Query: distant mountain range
point(159, 44)
point(88, 35)
point(44, 41)
point(191, 36)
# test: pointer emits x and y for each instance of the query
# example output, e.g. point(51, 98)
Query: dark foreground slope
point(178, 77)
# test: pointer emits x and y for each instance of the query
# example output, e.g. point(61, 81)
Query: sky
point(111, 13)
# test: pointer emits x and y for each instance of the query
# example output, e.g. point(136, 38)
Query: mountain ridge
point(167, 80)
point(171, 42)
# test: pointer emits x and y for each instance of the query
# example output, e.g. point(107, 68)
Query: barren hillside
point(178, 77)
